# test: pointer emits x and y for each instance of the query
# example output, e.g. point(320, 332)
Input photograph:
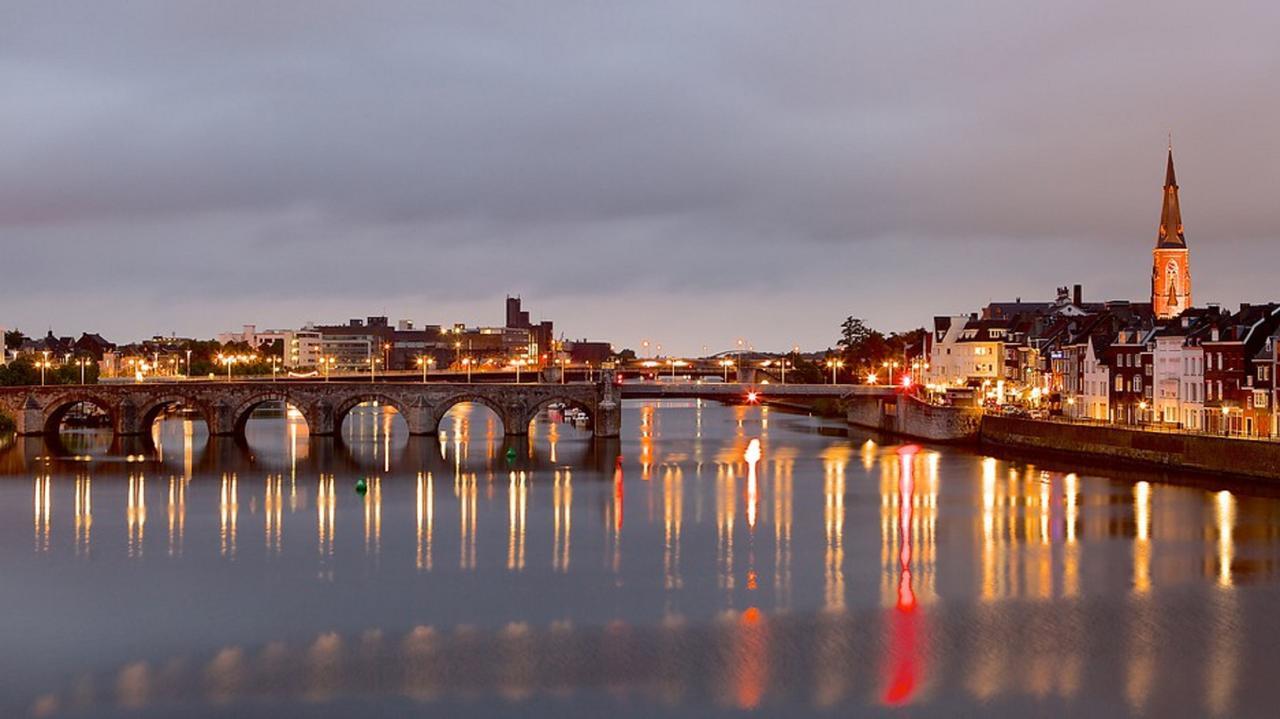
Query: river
point(714, 561)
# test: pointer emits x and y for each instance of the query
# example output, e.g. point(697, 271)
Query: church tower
point(1171, 268)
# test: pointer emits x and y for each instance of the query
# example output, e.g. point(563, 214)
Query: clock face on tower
point(1171, 275)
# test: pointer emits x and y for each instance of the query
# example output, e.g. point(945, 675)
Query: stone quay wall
point(1227, 455)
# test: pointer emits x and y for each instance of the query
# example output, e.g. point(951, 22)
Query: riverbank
point(1257, 459)
point(908, 417)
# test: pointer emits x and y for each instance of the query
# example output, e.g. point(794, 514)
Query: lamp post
point(518, 363)
point(561, 360)
point(466, 362)
point(188, 364)
point(83, 363)
point(227, 360)
point(327, 363)
point(373, 369)
point(422, 362)
point(275, 367)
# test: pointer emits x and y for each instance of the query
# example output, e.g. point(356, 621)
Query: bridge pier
point(421, 418)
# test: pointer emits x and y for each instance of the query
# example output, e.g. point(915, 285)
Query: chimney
point(1077, 295)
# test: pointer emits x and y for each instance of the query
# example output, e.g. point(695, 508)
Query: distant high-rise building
point(1171, 262)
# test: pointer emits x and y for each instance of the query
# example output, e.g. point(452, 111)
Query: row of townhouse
point(1206, 369)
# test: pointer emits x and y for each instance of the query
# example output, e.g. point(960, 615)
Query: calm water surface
point(714, 561)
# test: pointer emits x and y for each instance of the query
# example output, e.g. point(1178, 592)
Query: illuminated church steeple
point(1171, 266)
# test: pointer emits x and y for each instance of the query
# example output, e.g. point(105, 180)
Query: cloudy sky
point(686, 172)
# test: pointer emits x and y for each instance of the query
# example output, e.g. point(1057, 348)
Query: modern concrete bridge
point(739, 391)
point(227, 406)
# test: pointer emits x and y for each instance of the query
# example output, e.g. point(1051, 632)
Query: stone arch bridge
point(227, 406)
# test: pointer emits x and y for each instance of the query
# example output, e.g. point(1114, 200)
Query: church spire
point(1170, 234)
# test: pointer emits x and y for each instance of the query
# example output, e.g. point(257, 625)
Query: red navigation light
point(752, 397)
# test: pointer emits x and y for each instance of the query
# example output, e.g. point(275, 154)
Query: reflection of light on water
point(42, 500)
point(1225, 520)
point(426, 520)
point(326, 506)
point(990, 562)
point(903, 665)
point(228, 509)
point(726, 501)
point(752, 457)
point(517, 509)
point(464, 488)
point(177, 514)
point(273, 513)
point(750, 659)
point(672, 523)
point(136, 513)
point(834, 460)
point(1225, 624)
point(782, 517)
point(1071, 554)
point(562, 501)
point(84, 513)
point(373, 516)
point(1142, 540)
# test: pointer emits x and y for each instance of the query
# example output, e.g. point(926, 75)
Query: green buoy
point(511, 452)
point(361, 487)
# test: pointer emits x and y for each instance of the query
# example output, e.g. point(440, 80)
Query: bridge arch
point(154, 407)
point(567, 400)
point(56, 410)
point(244, 410)
point(344, 408)
point(442, 408)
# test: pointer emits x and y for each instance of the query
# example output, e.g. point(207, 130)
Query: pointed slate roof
point(1170, 232)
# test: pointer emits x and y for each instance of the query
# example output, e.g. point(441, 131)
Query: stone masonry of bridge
point(227, 406)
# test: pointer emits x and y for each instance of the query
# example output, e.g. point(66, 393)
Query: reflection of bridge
point(227, 406)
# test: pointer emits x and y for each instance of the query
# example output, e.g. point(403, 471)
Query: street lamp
point(726, 364)
point(871, 378)
point(833, 364)
point(82, 362)
point(188, 364)
point(327, 363)
point(373, 368)
point(228, 360)
point(423, 362)
point(518, 364)
point(275, 367)
point(466, 362)
point(43, 365)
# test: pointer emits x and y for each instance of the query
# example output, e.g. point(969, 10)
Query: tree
point(853, 332)
point(13, 339)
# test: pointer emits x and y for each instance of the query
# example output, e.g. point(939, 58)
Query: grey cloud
point(254, 158)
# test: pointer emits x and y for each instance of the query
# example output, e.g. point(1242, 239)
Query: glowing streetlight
point(871, 378)
point(834, 364)
point(726, 364)
point(327, 363)
point(227, 360)
point(425, 362)
point(275, 367)
point(82, 363)
point(373, 368)
point(466, 362)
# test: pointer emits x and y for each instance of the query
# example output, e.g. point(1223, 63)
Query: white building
point(965, 350)
point(302, 348)
point(1095, 395)
point(1167, 390)
point(1191, 392)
